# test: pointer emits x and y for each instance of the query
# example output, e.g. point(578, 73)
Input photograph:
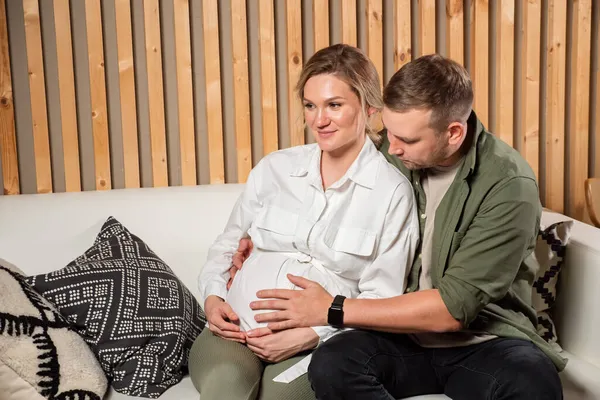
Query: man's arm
point(481, 271)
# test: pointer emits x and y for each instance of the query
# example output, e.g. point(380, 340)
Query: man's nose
point(396, 150)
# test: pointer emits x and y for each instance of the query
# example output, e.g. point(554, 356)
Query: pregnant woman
point(334, 212)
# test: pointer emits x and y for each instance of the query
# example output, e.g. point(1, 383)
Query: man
point(465, 326)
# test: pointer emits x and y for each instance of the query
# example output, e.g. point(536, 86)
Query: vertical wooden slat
point(37, 89)
point(426, 11)
point(555, 105)
point(241, 89)
point(579, 107)
point(131, 159)
point(266, 33)
point(155, 93)
point(375, 34)
point(212, 66)
point(402, 35)
point(294, 62)
point(505, 49)
point(320, 21)
point(68, 109)
point(93, 20)
point(185, 97)
point(349, 22)
point(455, 31)
point(480, 58)
point(8, 139)
point(530, 83)
point(596, 167)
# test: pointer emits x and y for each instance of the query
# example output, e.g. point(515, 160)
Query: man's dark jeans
point(377, 366)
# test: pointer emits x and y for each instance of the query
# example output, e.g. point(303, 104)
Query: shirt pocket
point(353, 247)
point(277, 221)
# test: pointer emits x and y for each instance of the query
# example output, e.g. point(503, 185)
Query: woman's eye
point(309, 106)
point(335, 105)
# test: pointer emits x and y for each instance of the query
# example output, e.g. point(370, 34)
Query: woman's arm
point(215, 273)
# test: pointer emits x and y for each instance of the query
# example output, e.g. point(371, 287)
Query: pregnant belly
point(269, 271)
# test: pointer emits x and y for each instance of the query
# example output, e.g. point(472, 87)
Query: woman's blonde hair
point(352, 66)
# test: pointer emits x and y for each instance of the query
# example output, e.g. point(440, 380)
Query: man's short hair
point(432, 82)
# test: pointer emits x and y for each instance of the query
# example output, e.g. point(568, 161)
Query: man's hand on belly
point(243, 252)
point(280, 346)
point(296, 308)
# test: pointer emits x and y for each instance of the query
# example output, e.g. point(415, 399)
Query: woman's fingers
point(258, 351)
point(259, 332)
point(239, 337)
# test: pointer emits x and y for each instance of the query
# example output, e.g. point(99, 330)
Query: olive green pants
point(223, 369)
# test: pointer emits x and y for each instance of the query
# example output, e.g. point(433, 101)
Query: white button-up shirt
point(356, 238)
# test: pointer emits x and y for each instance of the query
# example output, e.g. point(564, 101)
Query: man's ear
point(457, 132)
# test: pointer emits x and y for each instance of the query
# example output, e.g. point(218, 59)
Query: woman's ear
point(371, 111)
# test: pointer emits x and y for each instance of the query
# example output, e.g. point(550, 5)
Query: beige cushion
point(13, 387)
point(38, 346)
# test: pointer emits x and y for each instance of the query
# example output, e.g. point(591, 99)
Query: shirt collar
point(362, 171)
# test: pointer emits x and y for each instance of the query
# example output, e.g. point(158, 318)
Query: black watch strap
point(335, 316)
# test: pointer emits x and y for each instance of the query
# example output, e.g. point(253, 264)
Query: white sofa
point(41, 233)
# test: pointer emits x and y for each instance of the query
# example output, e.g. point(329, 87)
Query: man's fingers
point(237, 260)
point(300, 281)
point(271, 316)
point(268, 305)
point(276, 294)
point(282, 325)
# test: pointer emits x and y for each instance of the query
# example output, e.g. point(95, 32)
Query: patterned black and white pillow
point(44, 356)
point(137, 316)
point(549, 252)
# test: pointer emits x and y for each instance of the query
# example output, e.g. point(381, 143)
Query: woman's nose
point(322, 119)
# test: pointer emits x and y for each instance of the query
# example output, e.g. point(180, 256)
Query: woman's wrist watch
point(335, 316)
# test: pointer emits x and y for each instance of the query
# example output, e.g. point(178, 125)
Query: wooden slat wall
point(183, 48)
point(68, 110)
point(127, 91)
point(266, 32)
point(579, 107)
point(427, 27)
point(530, 83)
point(455, 35)
point(241, 89)
point(528, 80)
point(294, 60)
point(505, 50)
point(8, 139)
point(402, 33)
point(37, 89)
point(554, 146)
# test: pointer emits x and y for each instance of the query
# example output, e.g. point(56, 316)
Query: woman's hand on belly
point(222, 320)
point(281, 345)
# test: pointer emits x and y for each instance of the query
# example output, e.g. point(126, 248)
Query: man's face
point(413, 141)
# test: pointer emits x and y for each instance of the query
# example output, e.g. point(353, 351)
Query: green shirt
point(484, 234)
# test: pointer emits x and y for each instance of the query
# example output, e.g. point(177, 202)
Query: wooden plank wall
point(77, 115)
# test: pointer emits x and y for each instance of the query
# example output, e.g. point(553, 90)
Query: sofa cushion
point(549, 253)
point(40, 355)
point(137, 316)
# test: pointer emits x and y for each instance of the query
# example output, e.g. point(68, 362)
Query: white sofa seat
point(42, 233)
